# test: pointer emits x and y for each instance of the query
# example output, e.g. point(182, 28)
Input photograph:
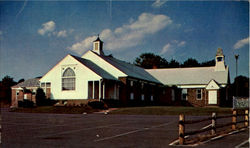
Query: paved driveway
point(92, 130)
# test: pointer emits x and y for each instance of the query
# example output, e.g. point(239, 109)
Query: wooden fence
point(213, 126)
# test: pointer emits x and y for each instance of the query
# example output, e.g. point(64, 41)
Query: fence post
point(213, 131)
point(246, 118)
point(234, 119)
point(181, 129)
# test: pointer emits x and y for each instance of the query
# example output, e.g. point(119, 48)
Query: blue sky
point(34, 36)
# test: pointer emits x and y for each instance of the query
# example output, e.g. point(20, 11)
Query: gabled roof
point(28, 83)
point(95, 68)
point(185, 76)
point(98, 39)
point(212, 85)
point(129, 69)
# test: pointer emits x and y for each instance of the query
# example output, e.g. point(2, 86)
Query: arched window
point(68, 79)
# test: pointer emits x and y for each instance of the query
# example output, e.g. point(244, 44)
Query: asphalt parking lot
point(95, 130)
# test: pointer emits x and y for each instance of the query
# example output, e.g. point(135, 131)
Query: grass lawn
point(171, 110)
point(56, 110)
point(149, 110)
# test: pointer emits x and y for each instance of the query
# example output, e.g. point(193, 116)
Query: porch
point(103, 89)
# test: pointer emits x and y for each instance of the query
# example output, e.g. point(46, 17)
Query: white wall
point(103, 64)
point(83, 75)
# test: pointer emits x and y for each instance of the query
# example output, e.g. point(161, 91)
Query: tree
point(150, 60)
point(174, 64)
point(40, 97)
point(5, 88)
point(208, 63)
point(190, 63)
point(7, 81)
point(241, 86)
point(21, 80)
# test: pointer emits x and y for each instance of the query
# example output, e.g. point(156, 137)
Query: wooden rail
point(213, 126)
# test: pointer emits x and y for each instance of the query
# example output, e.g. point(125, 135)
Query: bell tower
point(220, 60)
point(97, 46)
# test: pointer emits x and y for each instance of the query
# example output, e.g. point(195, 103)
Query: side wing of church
point(95, 76)
point(198, 86)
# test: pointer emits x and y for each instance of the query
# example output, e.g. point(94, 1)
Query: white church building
point(94, 75)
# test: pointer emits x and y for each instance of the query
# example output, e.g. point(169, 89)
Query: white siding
point(83, 75)
point(103, 64)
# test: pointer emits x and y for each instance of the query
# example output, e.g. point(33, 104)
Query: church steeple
point(97, 46)
point(220, 60)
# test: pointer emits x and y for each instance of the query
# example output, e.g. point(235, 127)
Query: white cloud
point(85, 44)
point(47, 28)
point(241, 43)
point(128, 35)
point(158, 3)
point(62, 33)
point(181, 44)
point(170, 47)
point(165, 49)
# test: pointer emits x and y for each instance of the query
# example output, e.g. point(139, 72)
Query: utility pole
point(236, 58)
point(236, 70)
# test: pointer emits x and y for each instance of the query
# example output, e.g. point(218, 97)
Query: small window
point(173, 95)
point(219, 59)
point(152, 98)
point(48, 84)
point(131, 83)
point(142, 97)
point(96, 46)
point(184, 94)
point(42, 84)
point(198, 94)
point(131, 96)
point(142, 85)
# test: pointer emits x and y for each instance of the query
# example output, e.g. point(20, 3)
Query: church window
point(42, 84)
point(131, 96)
point(198, 94)
point(152, 98)
point(184, 94)
point(48, 84)
point(142, 97)
point(68, 79)
point(131, 83)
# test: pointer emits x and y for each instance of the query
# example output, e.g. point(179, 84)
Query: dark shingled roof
point(130, 69)
point(98, 39)
point(28, 83)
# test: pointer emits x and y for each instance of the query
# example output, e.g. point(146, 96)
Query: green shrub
point(97, 105)
point(26, 103)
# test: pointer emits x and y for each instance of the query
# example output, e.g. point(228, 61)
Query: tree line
point(151, 60)
point(147, 61)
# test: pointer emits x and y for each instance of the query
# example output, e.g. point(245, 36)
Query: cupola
point(97, 46)
point(220, 60)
